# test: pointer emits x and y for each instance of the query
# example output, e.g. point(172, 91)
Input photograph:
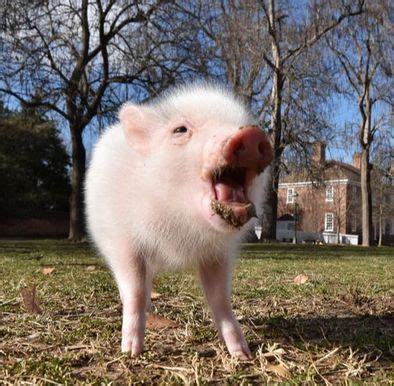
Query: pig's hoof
point(134, 348)
point(243, 354)
point(133, 353)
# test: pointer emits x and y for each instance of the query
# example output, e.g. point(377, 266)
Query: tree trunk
point(371, 236)
point(380, 224)
point(270, 204)
point(276, 125)
point(77, 227)
point(276, 136)
point(365, 197)
point(267, 206)
point(366, 139)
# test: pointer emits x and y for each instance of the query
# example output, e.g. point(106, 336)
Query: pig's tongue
point(231, 203)
point(230, 193)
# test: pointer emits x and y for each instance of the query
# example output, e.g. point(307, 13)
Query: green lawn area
point(336, 327)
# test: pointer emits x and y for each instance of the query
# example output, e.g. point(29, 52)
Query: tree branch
point(50, 57)
point(35, 104)
point(309, 42)
point(114, 30)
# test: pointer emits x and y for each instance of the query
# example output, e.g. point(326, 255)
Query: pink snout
point(248, 148)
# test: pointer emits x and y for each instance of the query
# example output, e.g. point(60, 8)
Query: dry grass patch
point(335, 326)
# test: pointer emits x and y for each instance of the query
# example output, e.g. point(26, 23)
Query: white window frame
point(330, 193)
point(326, 222)
point(290, 196)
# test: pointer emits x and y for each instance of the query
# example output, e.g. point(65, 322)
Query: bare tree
point(263, 48)
point(231, 39)
point(289, 41)
point(361, 48)
point(74, 57)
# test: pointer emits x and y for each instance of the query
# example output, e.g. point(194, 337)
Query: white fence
point(327, 238)
point(333, 238)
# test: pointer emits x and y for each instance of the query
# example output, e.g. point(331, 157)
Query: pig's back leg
point(216, 280)
point(134, 283)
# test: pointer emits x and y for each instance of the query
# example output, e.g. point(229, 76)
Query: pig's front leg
point(216, 280)
point(134, 283)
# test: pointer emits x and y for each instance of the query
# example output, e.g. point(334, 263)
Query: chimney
point(357, 160)
point(319, 152)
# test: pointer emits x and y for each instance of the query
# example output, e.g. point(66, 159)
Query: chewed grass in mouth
point(228, 214)
point(230, 200)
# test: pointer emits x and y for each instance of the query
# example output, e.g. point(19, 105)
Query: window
point(330, 193)
point(290, 196)
point(329, 222)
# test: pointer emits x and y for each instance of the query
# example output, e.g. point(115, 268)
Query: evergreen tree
point(33, 166)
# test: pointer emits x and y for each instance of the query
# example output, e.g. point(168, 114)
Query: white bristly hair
point(147, 200)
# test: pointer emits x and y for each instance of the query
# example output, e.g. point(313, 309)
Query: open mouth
point(230, 200)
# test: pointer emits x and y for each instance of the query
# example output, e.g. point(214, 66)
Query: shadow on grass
point(367, 333)
point(38, 248)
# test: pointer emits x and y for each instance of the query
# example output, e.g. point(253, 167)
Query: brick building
point(329, 206)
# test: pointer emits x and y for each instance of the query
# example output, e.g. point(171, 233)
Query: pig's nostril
point(239, 148)
point(262, 148)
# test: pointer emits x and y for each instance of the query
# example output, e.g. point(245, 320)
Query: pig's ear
point(137, 122)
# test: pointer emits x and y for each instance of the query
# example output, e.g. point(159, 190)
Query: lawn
point(338, 326)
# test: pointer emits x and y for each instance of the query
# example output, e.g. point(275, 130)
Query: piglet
point(175, 184)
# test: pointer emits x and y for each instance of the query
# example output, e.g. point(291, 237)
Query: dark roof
point(305, 175)
point(342, 165)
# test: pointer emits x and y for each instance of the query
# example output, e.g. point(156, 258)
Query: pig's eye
point(180, 130)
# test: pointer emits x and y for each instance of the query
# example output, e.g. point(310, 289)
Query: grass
point(337, 327)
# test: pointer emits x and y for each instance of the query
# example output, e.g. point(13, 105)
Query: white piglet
point(175, 184)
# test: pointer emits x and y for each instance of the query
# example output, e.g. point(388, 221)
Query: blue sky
point(344, 112)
